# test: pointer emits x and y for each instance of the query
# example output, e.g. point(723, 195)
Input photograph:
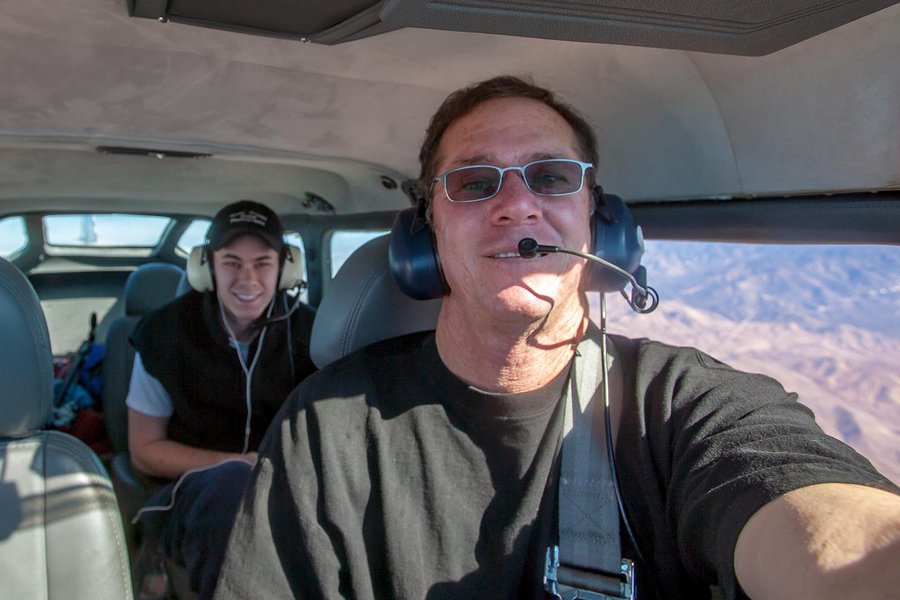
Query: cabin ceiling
point(280, 118)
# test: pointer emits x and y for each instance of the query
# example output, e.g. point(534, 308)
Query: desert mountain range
point(823, 320)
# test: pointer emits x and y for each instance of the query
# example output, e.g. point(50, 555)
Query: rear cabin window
point(295, 239)
point(104, 231)
point(194, 235)
point(344, 242)
point(13, 237)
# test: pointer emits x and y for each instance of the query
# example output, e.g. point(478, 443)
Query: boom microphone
point(529, 248)
point(260, 323)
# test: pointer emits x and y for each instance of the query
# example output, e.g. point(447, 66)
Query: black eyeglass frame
point(521, 170)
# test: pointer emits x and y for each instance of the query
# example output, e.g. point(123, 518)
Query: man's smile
point(245, 297)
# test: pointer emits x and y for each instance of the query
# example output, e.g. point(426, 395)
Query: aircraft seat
point(61, 533)
point(363, 305)
point(148, 287)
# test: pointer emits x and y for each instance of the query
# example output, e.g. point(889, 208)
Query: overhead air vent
point(303, 20)
point(130, 151)
point(744, 28)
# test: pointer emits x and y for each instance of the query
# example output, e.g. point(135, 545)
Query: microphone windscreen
point(528, 248)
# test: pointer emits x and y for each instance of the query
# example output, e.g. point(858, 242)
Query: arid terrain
point(824, 321)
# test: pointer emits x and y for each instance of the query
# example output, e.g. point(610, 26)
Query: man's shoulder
point(178, 314)
point(302, 316)
point(185, 304)
point(383, 364)
point(644, 353)
point(683, 374)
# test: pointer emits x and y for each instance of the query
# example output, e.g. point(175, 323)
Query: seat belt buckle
point(568, 583)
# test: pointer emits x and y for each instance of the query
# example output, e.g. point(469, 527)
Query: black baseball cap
point(242, 218)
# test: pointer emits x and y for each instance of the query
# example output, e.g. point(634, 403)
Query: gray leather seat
point(363, 305)
point(148, 287)
point(184, 286)
point(61, 534)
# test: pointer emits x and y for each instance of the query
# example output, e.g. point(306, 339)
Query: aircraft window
point(194, 235)
point(106, 230)
point(823, 320)
point(295, 239)
point(344, 242)
point(12, 236)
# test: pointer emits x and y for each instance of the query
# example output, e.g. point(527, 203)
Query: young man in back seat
point(212, 368)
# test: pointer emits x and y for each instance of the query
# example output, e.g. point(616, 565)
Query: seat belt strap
point(588, 562)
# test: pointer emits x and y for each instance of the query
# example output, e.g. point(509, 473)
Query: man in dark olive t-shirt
point(427, 466)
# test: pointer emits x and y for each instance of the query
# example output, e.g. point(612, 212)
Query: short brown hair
point(465, 100)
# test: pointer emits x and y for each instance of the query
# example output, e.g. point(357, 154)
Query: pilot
point(211, 370)
point(428, 466)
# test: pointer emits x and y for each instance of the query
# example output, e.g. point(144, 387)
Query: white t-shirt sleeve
point(146, 394)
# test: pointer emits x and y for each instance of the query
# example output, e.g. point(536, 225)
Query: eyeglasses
point(549, 177)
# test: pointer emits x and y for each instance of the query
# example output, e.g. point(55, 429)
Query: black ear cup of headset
point(200, 272)
point(413, 257)
point(416, 266)
point(616, 239)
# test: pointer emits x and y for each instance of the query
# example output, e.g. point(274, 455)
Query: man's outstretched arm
point(824, 541)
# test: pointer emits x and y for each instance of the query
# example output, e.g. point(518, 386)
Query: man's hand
point(823, 541)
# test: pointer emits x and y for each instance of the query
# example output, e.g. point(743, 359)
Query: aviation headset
point(239, 218)
point(200, 268)
point(416, 266)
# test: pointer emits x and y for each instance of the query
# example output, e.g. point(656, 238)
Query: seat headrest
point(363, 305)
point(26, 359)
point(184, 286)
point(150, 286)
